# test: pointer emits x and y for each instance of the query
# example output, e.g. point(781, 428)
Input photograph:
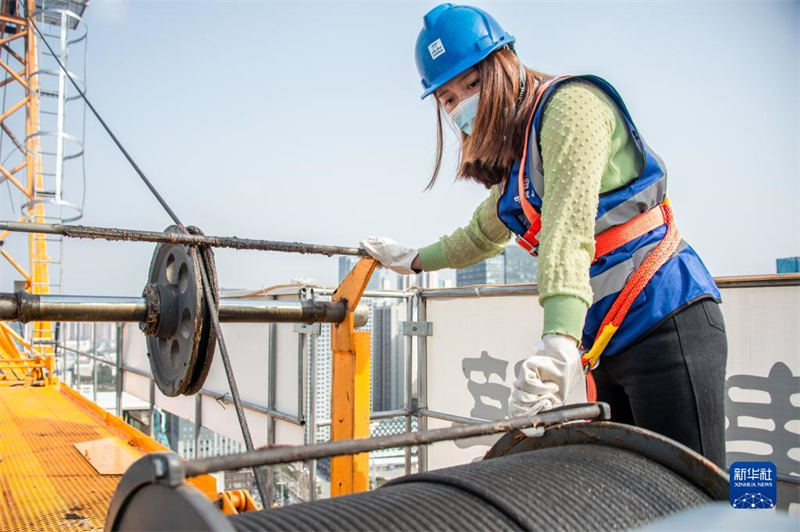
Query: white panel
point(472, 355)
point(134, 347)
point(247, 345)
point(136, 385)
point(763, 329)
point(763, 326)
point(221, 417)
point(182, 406)
point(286, 363)
point(288, 433)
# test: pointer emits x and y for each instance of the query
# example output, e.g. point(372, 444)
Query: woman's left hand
point(546, 378)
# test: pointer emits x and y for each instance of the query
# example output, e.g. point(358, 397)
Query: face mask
point(464, 113)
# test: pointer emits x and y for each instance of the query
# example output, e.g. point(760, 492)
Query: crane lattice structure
point(39, 155)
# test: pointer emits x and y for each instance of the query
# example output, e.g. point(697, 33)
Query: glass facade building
point(513, 265)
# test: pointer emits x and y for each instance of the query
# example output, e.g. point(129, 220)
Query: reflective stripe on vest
point(609, 281)
point(629, 226)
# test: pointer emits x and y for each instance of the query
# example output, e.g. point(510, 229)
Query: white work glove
point(546, 378)
point(389, 253)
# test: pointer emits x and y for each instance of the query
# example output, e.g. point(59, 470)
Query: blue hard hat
point(454, 38)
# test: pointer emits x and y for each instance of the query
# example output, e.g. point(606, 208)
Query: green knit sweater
point(586, 149)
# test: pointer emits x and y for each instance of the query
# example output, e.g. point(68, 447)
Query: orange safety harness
point(605, 243)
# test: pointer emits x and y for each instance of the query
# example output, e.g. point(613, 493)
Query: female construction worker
point(615, 277)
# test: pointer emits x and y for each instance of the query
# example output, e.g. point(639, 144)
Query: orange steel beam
point(12, 73)
point(11, 52)
point(9, 79)
point(11, 332)
point(9, 351)
point(350, 393)
point(17, 266)
point(14, 37)
point(20, 166)
point(33, 369)
point(16, 107)
point(14, 181)
point(20, 363)
point(14, 20)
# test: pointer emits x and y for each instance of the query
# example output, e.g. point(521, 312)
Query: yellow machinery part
point(45, 483)
point(350, 386)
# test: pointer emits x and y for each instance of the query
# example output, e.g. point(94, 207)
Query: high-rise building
point(346, 264)
point(520, 266)
point(513, 265)
point(489, 271)
point(387, 358)
point(322, 388)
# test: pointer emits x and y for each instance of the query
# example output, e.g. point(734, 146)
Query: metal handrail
point(283, 455)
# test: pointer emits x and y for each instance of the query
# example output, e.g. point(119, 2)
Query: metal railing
point(415, 356)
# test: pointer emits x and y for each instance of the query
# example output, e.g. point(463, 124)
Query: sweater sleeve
point(575, 141)
point(485, 236)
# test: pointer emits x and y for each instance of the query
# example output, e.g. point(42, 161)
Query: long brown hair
point(498, 133)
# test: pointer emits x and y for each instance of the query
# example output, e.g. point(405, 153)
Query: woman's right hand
point(547, 377)
point(390, 254)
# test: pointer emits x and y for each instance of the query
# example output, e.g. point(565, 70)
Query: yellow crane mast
point(26, 355)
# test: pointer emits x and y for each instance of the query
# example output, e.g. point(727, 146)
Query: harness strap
point(634, 287)
point(617, 236)
point(527, 208)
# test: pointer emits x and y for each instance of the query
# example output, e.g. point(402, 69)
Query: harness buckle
point(533, 249)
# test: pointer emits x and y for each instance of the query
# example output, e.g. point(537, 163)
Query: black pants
point(672, 380)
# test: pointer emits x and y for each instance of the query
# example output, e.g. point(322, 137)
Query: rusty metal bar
point(4, 234)
point(25, 307)
point(132, 235)
point(285, 455)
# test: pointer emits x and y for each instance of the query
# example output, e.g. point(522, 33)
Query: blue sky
point(302, 121)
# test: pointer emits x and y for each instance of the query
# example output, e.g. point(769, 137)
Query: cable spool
point(180, 338)
point(578, 476)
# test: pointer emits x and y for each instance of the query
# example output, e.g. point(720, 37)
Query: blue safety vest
point(682, 279)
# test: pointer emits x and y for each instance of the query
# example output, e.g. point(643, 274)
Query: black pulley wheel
point(208, 338)
point(178, 326)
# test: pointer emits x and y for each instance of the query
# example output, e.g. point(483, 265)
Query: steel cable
point(99, 118)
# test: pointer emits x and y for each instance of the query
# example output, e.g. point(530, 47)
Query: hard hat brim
point(463, 65)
